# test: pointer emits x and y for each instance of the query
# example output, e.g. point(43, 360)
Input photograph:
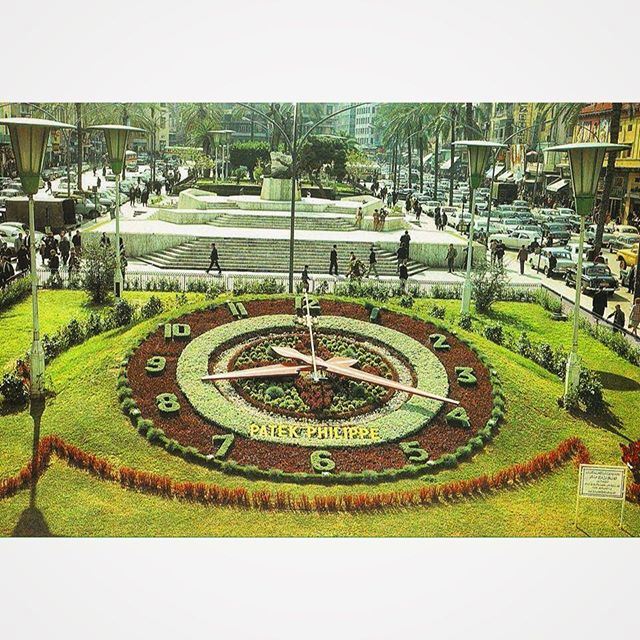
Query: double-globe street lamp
point(585, 161)
point(29, 140)
point(117, 137)
point(478, 152)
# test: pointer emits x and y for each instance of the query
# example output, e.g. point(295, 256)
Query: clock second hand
point(313, 349)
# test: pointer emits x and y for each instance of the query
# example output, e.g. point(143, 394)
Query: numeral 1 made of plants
point(177, 331)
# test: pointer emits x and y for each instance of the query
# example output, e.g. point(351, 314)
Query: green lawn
point(85, 412)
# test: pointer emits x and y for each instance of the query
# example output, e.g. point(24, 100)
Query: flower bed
point(215, 495)
point(190, 435)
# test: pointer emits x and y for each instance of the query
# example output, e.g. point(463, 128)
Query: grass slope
point(85, 412)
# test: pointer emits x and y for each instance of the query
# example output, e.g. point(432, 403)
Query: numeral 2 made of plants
point(439, 342)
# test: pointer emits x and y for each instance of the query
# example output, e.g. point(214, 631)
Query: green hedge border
point(191, 454)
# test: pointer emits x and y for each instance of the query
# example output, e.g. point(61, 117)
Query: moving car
point(573, 247)
point(515, 239)
point(592, 277)
point(430, 207)
point(630, 255)
point(540, 260)
point(623, 241)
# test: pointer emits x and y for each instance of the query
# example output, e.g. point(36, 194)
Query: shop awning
point(499, 170)
point(554, 187)
point(507, 176)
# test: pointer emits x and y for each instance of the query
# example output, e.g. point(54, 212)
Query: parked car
point(623, 241)
point(607, 236)
point(430, 207)
point(509, 224)
point(24, 229)
point(630, 255)
point(620, 229)
point(520, 203)
point(540, 260)
point(558, 232)
point(515, 239)
point(592, 277)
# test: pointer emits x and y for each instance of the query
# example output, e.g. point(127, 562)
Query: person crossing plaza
point(333, 261)
point(373, 260)
point(214, 260)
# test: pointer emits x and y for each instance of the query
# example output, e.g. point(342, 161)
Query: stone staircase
point(271, 256)
point(304, 223)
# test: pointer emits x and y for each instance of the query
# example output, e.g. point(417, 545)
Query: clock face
point(250, 387)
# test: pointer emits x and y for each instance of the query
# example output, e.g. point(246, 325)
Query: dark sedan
point(593, 276)
point(559, 232)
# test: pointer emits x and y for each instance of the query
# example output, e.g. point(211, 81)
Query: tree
point(318, 152)
point(248, 154)
point(603, 209)
point(98, 270)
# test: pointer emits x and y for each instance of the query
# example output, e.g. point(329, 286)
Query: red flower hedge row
point(213, 494)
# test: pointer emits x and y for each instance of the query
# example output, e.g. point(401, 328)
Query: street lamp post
point(117, 136)
point(478, 152)
point(29, 139)
point(585, 160)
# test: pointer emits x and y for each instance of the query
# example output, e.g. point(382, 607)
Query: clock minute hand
point(363, 376)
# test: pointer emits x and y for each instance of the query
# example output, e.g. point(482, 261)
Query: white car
point(515, 239)
point(540, 260)
point(572, 248)
point(607, 236)
point(624, 229)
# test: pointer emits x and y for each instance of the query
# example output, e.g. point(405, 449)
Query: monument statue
point(279, 167)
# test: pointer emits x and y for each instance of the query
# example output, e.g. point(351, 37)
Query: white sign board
point(605, 483)
point(602, 483)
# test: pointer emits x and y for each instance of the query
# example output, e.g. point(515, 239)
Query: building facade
point(366, 133)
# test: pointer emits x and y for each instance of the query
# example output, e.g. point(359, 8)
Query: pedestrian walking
point(305, 278)
point(214, 260)
point(599, 303)
point(77, 243)
point(618, 318)
point(65, 248)
point(359, 218)
point(552, 264)
point(632, 278)
point(452, 253)
point(443, 221)
point(404, 276)
point(436, 218)
point(500, 249)
point(98, 182)
point(23, 259)
point(373, 262)
point(523, 254)
point(333, 261)
point(405, 239)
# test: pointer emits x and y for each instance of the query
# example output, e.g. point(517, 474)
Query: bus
point(131, 160)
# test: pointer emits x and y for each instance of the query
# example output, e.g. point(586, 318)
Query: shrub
point(274, 391)
point(18, 290)
point(489, 285)
point(406, 301)
point(465, 322)
point(523, 345)
point(94, 324)
point(98, 269)
point(446, 292)
point(494, 332)
point(438, 311)
point(13, 389)
point(122, 313)
point(547, 301)
point(152, 307)
point(74, 333)
point(590, 391)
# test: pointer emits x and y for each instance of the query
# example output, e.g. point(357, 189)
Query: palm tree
point(603, 209)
